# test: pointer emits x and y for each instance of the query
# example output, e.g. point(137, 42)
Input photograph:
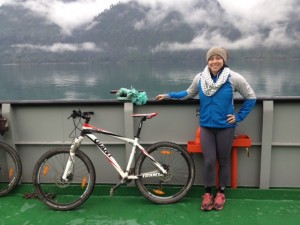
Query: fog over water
point(83, 81)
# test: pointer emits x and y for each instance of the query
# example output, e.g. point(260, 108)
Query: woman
point(216, 86)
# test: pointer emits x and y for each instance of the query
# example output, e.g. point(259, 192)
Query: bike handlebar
point(116, 91)
point(78, 113)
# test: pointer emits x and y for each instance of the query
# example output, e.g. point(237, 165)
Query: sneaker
point(207, 202)
point(219, 201)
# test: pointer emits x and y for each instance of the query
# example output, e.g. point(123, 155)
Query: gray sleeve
point(193, 90)
point(242, 86)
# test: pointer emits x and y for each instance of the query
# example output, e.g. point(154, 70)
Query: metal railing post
point(266, 147)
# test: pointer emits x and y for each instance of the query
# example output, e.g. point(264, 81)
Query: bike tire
point(176, 184)
point(48, 184)
point(10, 168)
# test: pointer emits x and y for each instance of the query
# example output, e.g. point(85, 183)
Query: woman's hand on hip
point(231, 118)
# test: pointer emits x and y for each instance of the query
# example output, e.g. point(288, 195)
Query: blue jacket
point(214, 109)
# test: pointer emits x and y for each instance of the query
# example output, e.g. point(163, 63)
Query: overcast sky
point(248, 16)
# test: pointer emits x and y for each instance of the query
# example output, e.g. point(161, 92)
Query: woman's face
point(215, 63)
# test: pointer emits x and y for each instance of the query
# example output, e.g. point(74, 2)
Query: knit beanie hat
point(217, 51)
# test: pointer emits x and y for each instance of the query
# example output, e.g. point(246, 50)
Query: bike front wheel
point(171, 187)
point(10, 168)
point(57, 193)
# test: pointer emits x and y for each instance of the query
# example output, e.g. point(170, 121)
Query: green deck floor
point(243, 207)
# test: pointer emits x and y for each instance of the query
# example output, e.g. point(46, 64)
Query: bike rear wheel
point(59, 194)
point(10, 168)
point(171, 187)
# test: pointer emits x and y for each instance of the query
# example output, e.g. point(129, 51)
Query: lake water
point(93, 82)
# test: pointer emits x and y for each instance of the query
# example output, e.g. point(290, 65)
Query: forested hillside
point(121, 33)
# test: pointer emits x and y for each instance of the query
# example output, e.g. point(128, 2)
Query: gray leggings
point(216, 145)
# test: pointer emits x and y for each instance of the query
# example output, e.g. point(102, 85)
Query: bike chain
point(33, 195)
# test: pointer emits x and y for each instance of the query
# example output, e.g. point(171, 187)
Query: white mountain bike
point(64, 177)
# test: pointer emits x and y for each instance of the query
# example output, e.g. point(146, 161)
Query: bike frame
point(88, 130)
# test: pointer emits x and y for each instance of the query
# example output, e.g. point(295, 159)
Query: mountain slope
point(127, 32)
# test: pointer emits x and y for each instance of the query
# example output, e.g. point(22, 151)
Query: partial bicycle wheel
point(59, 194)
point(10, 168)
point(173, 186)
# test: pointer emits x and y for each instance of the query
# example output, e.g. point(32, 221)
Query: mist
point(260, 23)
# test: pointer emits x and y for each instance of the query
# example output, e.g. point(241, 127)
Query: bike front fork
point(71, 160)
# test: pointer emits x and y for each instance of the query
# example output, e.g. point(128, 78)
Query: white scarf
point(208, 86)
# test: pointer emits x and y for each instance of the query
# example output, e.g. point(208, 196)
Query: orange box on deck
point(239, 141)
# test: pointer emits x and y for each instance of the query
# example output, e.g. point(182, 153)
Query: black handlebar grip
point(114, 91)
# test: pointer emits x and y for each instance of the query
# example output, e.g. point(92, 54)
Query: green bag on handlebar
point(136, 97)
